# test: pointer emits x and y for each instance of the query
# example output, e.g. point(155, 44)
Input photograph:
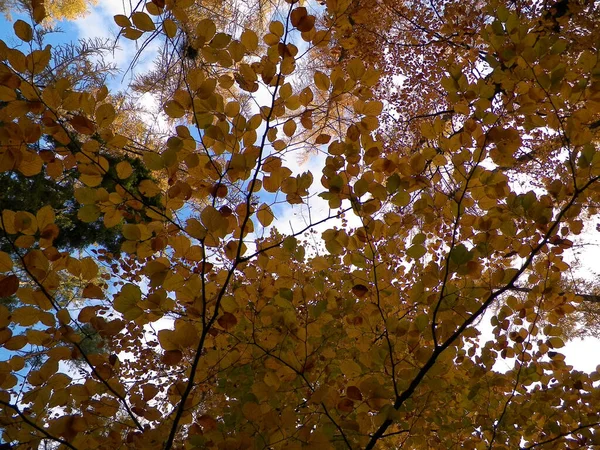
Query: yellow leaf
point(373, 108)
point(211, 219)
point(206, 28)
point(105, 114)
point(221, 40)
point(142, 21)
point(250, 40)
point(148, 188)
point(272, 380)
point(321, 81)
point(350, 369)
point(124, 170)
point(23, 30)
point(122, 21)
point(265, 215)
point(555, 342)
point(88, 213)
point(112, 217)
point(89, 269)
point(166, 339)
point(45, 216)
point(289, 127)
point(276, 27)
point(85, 195)
point(132, 33)
point(195, 229)
point(25, 223)
point(31, 164)
point(232, 109)
point(271, 39)
point(355, 69)
point(170, 28)
point(174, 109)
point(132, 232)
point(127, 300)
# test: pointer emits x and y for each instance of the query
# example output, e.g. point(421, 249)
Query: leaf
point(360, 290)
point(82, 125)
point(289, 127)
point(88, 213)
point(227, 321)
point(124, 170)
point(23, 30)
point(207, 422)
point(122, 21)
point(220, 40)
point(356, 69)
point(276, 27)
point(250, 40)
point(416, 251)
point(264, 215)
point(148, 188)
point(173, 109)
point(345, 405)
point(92, 291)
point(132, 33)
point(350, 369)
point(321, 81)
point(8, 285)
point(354, 393)
point(45, 216)
point(132, 232)
point(169, 28)
point(126, 302)
point(555, 342)
point(373, 108)
point(105, 115)
point(206, 28)
point(143, 21)
point(6, 263)
point(211, 219)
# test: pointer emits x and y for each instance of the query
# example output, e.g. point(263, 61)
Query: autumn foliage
point(356, 232)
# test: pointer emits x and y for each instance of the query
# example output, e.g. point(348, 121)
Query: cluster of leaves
point(215, 328)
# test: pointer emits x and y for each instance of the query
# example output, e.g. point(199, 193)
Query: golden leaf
point(23, 30)
point(143, 21)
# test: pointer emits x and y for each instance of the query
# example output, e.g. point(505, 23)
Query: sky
point(582, 354)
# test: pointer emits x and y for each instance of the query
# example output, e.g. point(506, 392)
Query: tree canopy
point(357, 232)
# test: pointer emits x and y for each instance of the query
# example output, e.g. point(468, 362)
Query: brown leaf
point(172, 357)
point(354, 393)
point(83, 125)
point(346, 405)
point(207, 422)
point(92, 291)
point(8, 285)
point(360, 290)
point(227, 321)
